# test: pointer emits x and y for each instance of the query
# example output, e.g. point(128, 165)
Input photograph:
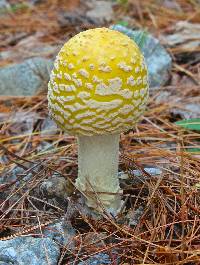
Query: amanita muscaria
point(98, 89)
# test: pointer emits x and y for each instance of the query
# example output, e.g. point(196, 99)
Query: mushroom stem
point(98, 171)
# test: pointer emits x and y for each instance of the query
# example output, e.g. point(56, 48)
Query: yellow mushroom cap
point(99, 84)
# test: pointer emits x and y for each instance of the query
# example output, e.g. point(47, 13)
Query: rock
point(137, 173)
point(137, 176)
point(29, 250)
point(35, 2)
point(134, 216)
point(48, 127)
point(150, 170)
point(97, 239)
point(44, 146)
point(13, 40)
point(172, 4)
point(190, 111)
point(100, 10)
point(75, 18)
point(56, 187)
point(98, 259)
point(26, 78)
point(59, 233)
point(6, 55)
point(27, 47)
point(161, 98)
point(12, 175)
point(185, 33)
point(4, 5)
point(32, 45)
point(20, 123)
point(25, 120)
point(157, 58)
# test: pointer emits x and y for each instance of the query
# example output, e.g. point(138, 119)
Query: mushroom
point(98, 89)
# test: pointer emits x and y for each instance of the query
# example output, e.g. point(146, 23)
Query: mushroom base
point(98, 172)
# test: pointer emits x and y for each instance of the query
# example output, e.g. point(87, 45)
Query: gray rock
point(32, 45)
point(20, 123)
point(5, 260)
point(13, 174)
point(150, 170)
point(157, 58)
point(35, 2)
point(161, 98)
point(138, 176)
point(26, 46)
point(48, 127)
point(56, 187)
point(75, 18)
point(4, 5)
point(98, 259)
point(24, 119)
point(172, 4)
point(185, 33)
point(5, 55)
point(44, 146)
point(26, 78)
point(137, 173)
point(59, 233)
point(100, 10)
point(29, 250)
point(190, 111)
point(134, 216)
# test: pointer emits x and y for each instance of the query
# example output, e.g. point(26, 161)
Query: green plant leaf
point(191, 124)
point(18, 6)
point(193, 150)
point(122, 23)
point(197, 185)
point(142, 39)
point(122, 2)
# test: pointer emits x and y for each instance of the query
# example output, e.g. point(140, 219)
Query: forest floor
point(160, 222)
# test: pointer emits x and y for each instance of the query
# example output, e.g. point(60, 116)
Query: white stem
point(98, 171)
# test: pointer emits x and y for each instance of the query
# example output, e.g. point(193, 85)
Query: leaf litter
point(159, 223)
